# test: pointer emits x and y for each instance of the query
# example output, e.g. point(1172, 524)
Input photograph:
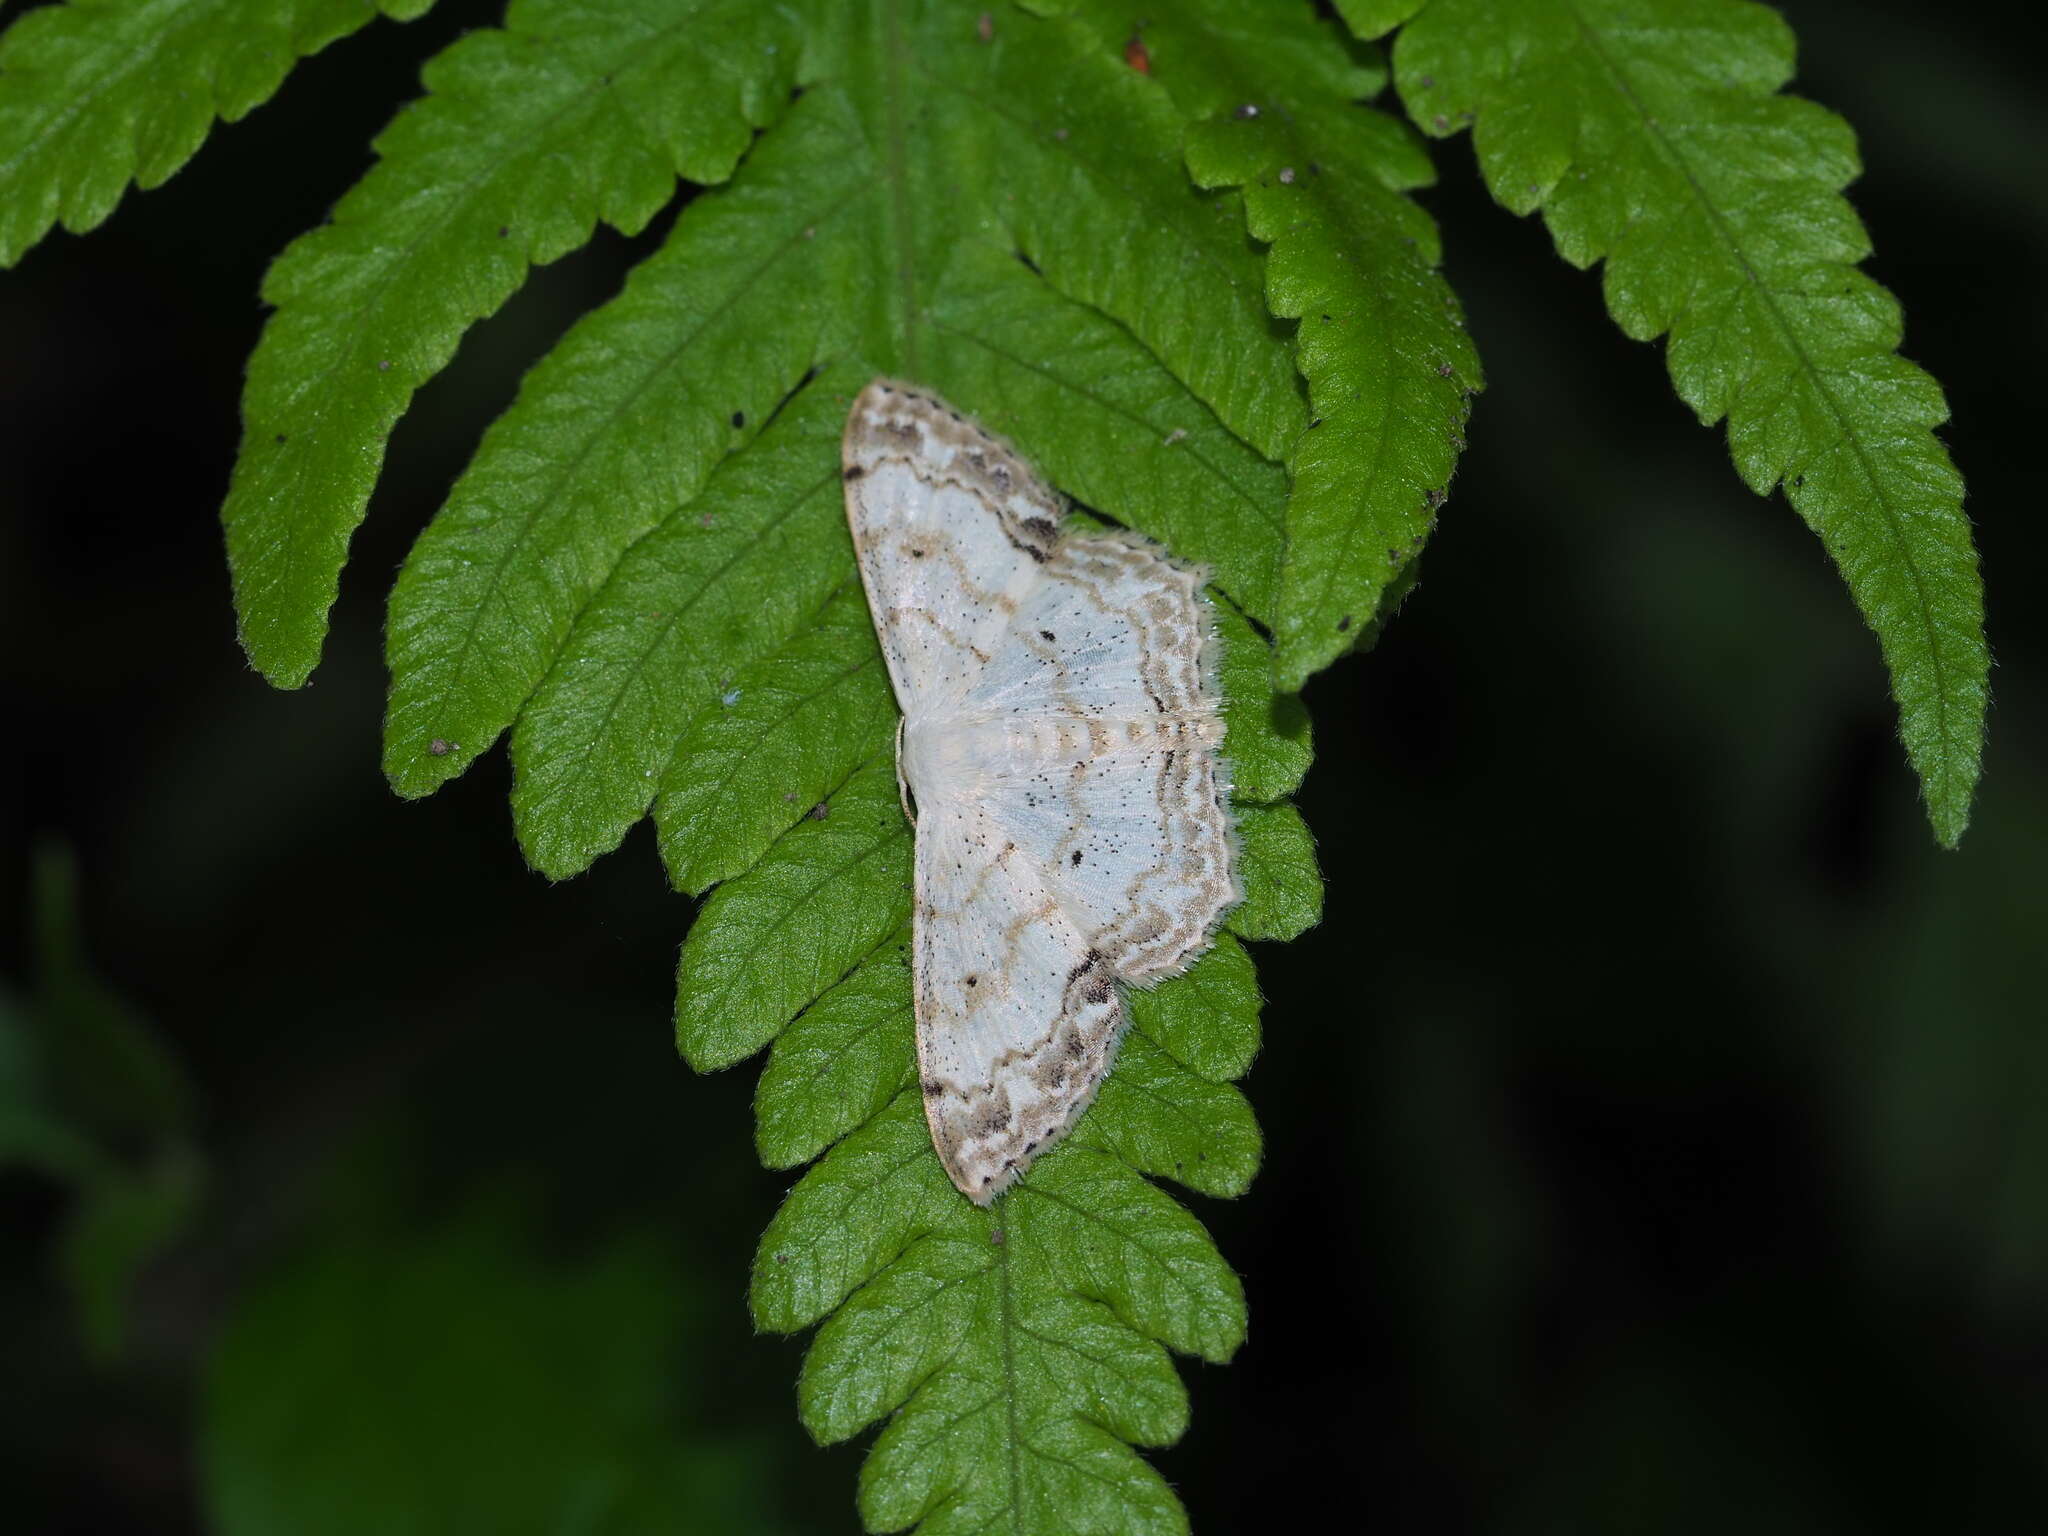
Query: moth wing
point(1109, 772)
point(1017, 1016)
point(951, 529)
point(1113, 630)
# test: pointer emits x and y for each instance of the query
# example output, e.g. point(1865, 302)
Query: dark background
point(1657, 1124)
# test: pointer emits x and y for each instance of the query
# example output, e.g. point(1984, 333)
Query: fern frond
point(644, 577)
point(1273, 94)
point(1652, 136)
point(95, 94)
point(577, 111)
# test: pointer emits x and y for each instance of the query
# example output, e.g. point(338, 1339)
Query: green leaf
point(790, 727)
point(34, 1133)
point(1372, 18)
point(1378, 340)
point(1015, 1352)
point(839, 1062)
point(848, 1055)
point(1651, 135)
point(1266, 734)
point(467, 1377)
point(90, 1095)
point(579, 111)
point(715, 583)
point(124, 1218)
point(768, 943)
point(1283, 893)
point(1208, 1019)
point(1099, 417)
point(1162, 1119)
point(110, 1068)
point(97, 93)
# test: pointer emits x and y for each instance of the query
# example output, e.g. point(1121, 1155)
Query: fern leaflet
point(97, 93)
point(1650, 134)
point(579, 110)
point(1380, 342)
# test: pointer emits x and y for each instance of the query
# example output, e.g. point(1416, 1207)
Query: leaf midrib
point(1013, 1438)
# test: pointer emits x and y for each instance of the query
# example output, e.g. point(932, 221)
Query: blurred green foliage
point(463, 1373)
point(92, 1098)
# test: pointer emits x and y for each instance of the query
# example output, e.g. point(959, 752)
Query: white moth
point(1058, 753)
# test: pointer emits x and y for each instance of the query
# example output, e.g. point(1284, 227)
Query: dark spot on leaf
point(739, 419)
point(973, 980)
point(853, 472)
point(280, 437)
point(1077, 856)
point(820, 811)
point(995, 1236)
point(1047, 635)
point(917, 554)
point(782, 1258)
point(504, 230)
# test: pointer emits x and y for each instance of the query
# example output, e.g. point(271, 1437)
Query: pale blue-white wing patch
point(1059, 743)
